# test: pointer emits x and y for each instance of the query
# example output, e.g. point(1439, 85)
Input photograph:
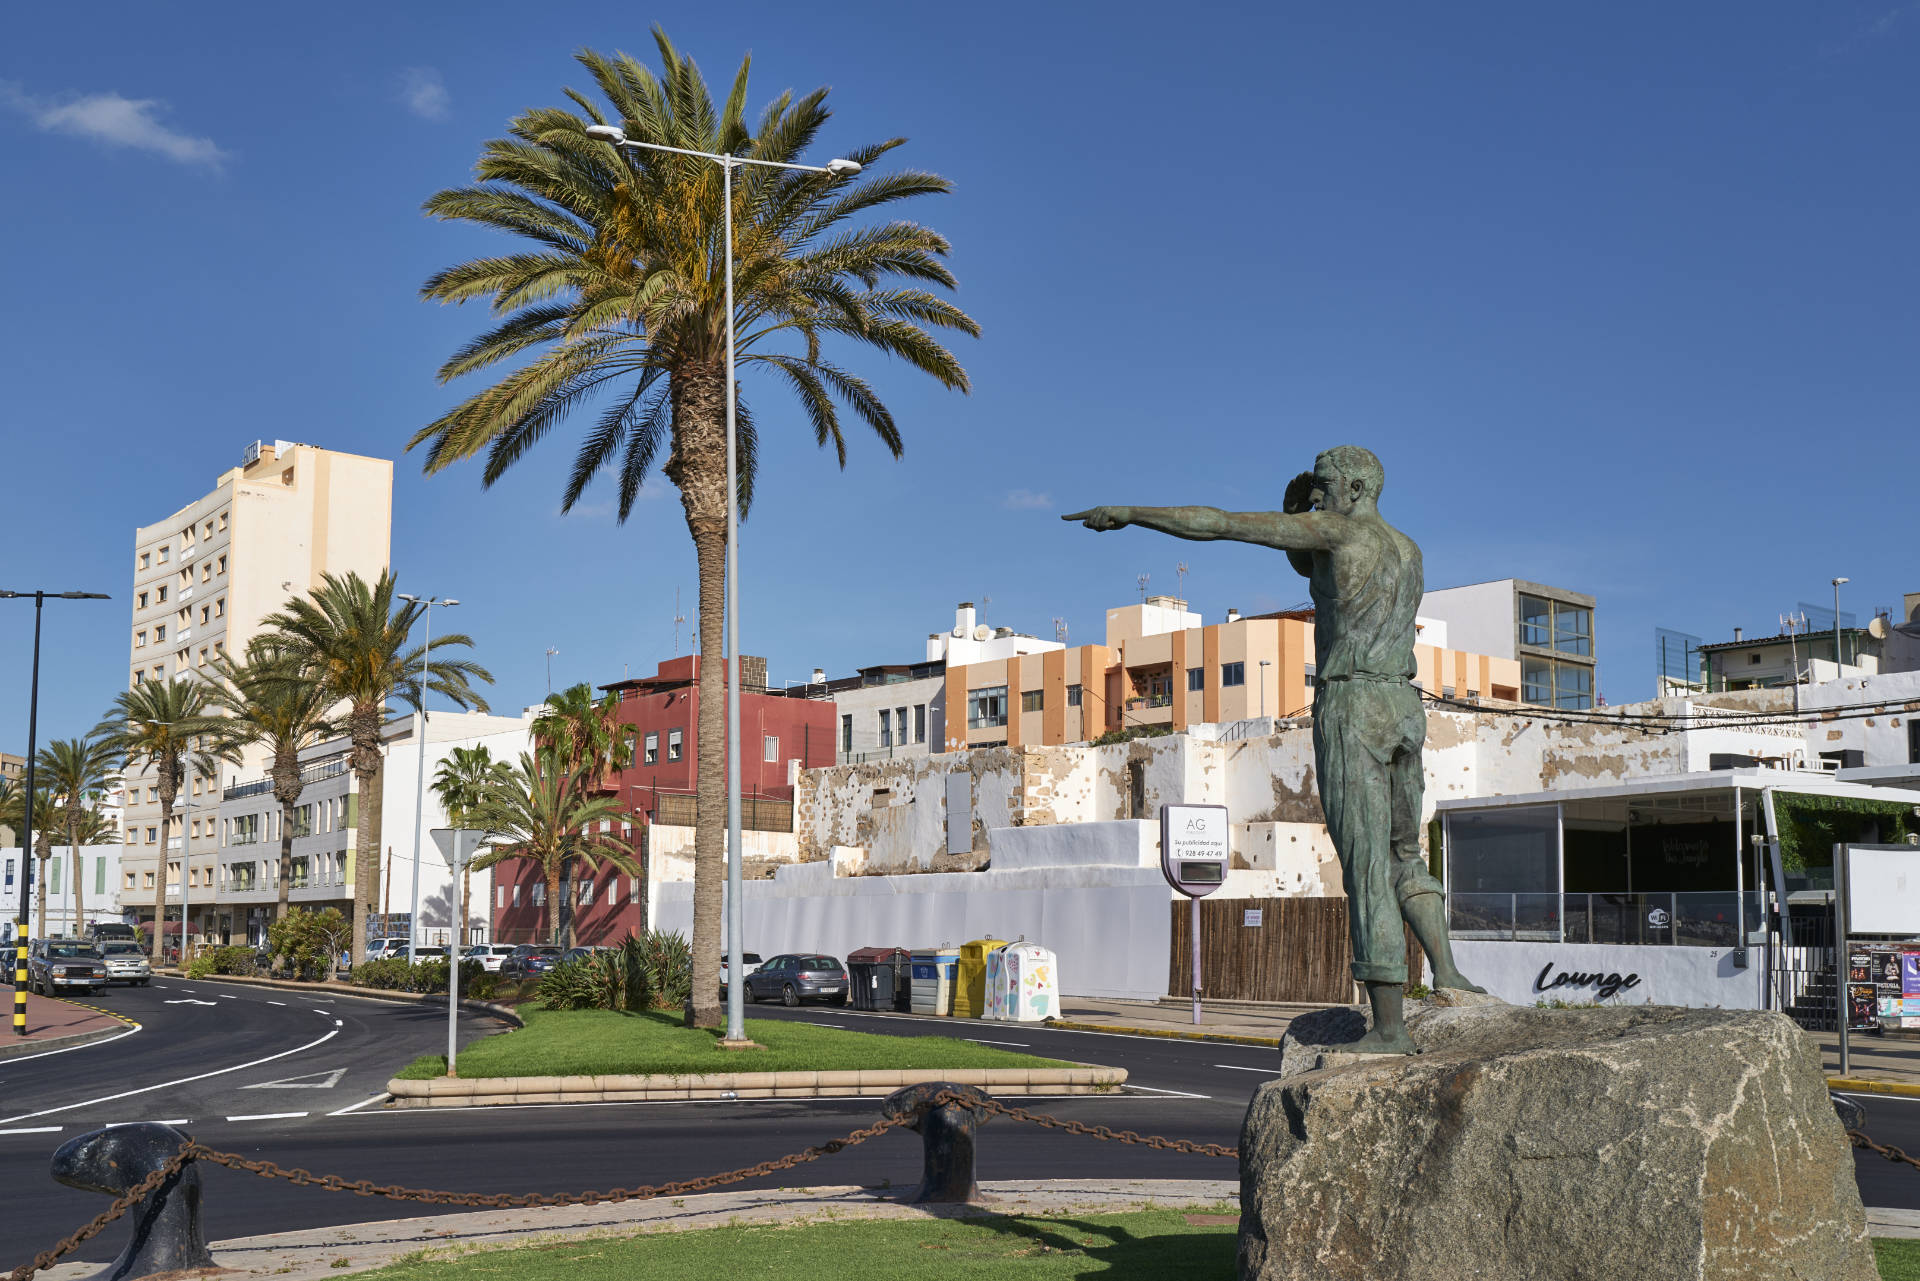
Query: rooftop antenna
point(1180, 577)
point(1142, 580)
point(678, 618)
point(1060, 630)
point(985, 600)
point(551, 651)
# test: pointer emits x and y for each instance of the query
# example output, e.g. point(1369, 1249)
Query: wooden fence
point(757, 813)
point(1298, 951)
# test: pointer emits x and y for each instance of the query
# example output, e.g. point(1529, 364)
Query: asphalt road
point(205, 1064)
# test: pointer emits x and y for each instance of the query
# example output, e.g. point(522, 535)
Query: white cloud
point(110, 118)
point(425, 93)
point(1022, 500)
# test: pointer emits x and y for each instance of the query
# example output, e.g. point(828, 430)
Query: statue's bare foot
point(1455, 981)
point(1381, 1041)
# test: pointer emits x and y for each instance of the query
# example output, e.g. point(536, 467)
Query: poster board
point(1883, 889)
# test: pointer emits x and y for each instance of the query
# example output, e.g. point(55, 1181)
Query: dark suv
point(64, 965)
point(797, 977)
point(528, 960)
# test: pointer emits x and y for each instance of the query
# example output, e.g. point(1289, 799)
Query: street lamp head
point(449, 602)
point(84, 596)
point(610, 133)
point(1838, 581)
point(843, 168)
point(411, 600)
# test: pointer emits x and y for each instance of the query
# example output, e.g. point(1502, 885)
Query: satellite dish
point(960, 632)
point(1878, 627)
point(983, 632)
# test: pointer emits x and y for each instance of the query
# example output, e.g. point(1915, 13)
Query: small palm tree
point(588, 737)
point(77, 770)
point(349, 636)
point(165, 725)
point(621, 293)
point(461, 783)
point(539, 814)
point(270, 701)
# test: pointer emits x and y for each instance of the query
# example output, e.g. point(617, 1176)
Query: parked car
point(750, 961)
point(385, 949)
point(490, 955)
point(797, 977)
point(101, 933)
point(424, 951)
point(528, 960)
point(126, 962)
point(64, 965)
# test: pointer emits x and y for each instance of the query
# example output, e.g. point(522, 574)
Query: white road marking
point(267, 1116)
point(190, 1001)
point(276, 1003)
point(1866, 1098)
point(180, 1120)
point(35, 1129)
point(228, 996)
point(1235, 1067)
point(357, 1106)
point(105, 1040)
point(145, 1089)
point(981, 1040)
point(1178, 1094)
point(311, 1081)
point(338, 1023)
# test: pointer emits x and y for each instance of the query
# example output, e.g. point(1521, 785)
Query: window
point(1313, 675)
point(586, 893)
point(1233, 673)
point(652, 754)
point(160, 557)
point(203, 656)
point(1572, 629)
point(206, 572)
point(987, 708)
point(53, 878)
point(146, 560)
point(1536, 681)
point(516, 896)
point(1074, 695)
point(499, 896)
point(920, 723)
point(1536, 621)
point(673, 744)
point(1032, 700)
point(223, 525)
point(1753, 660)
point(139, 640)
point(1572, 686)
point(1196, 679)
point(146, 881)
point(160, 594)
point(129, 880)
point(539, 895)
point(209, 529)
point(153, 796)
point(900, 722)
point(143, 600)
point(886, 728)
point(152, 834)
point(846, 731)
point(770, 748)
point(9, 873)
point(1913, 741)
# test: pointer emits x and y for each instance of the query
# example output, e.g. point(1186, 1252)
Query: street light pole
point(420, 784)
point(1837, 661)
point(736, 1016)
point(1264, 664)
point(20, 940)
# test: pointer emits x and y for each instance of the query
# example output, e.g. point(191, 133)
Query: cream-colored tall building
point(203, 578)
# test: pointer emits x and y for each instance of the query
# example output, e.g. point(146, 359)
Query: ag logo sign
point(1194, 855)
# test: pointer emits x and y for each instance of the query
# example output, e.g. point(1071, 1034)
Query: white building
point(99, 894)
point(1549, 630)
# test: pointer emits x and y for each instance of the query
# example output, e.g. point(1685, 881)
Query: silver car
point(125, 962)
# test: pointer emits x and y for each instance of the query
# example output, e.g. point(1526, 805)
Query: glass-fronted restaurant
point(1663, 890)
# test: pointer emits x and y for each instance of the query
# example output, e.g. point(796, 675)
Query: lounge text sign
point(1194, 855)
point(1605, 985)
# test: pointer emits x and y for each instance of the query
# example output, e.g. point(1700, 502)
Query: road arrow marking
point(311, 1081)
point(191, 1001)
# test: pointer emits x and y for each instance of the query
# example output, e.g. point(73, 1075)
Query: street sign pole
point(1195, 853)
point(457, 846)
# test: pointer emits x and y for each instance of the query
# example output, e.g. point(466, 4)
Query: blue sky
point(1623, 296)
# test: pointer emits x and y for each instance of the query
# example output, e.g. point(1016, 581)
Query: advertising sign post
point(1194, 857)
point(457, 845)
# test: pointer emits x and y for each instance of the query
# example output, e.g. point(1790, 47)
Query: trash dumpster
point(933, 979)
point(881, 977)
point(970, 984)
point(1023, 983)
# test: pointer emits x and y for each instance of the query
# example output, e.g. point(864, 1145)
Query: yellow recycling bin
point(970, 984)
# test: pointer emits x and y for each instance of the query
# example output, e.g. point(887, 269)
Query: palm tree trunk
point(286, 861)
point(46, 858)
point(79, 894)
point(553, 903)
point(366, 855)
point(466, 906)
point(160, 880)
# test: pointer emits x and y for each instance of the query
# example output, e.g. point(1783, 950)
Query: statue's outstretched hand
point(1299, 495)
point(1101, 518)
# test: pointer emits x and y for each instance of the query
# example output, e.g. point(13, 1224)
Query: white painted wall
point(1478, 617)
point(1693, 976)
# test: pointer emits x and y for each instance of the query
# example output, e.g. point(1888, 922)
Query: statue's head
point(1346, 477)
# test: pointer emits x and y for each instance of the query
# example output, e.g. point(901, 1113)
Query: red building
point(784, 735)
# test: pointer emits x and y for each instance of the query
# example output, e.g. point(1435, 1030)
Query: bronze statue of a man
point(1368, 726)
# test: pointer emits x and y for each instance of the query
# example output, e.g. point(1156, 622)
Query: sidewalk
point(53, 1023)
point(1255, 1022)
point(328, 1252)
point(1890, 1063)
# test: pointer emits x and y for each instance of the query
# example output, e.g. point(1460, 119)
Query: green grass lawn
point(1149, 1246)
point(1898, 1260)
point(602, 1043)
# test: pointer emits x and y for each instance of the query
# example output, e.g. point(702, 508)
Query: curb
point(500, 1090)
point(1169, 1034)
point(1858, 1085)
point(504, 1013)
point(15, 1049)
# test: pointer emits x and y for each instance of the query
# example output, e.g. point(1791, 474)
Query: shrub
point(386, 975)
point(652, 971)
point(201, 966)
point(669, 967)
point(308, 941)
point(393, 974)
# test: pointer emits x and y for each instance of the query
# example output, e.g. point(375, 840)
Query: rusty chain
point(194, 1151)
point(132, 1197)
point(1894, 1154)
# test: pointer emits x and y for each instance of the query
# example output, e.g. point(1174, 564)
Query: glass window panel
point(1536, 680)
point(1572, 629)
point(1573, 686)
point(1513, 850)
point(1196, 678)
point(1536, 621)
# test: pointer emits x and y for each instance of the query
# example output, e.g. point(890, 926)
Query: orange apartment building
point(1163, 665)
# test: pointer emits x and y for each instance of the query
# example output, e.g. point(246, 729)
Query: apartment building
point(1163, 665)
point(13, 769)
point(204, 577)
point(1548, 630)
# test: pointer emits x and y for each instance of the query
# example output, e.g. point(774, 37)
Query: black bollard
point(946, 1135)
point(167, 1236)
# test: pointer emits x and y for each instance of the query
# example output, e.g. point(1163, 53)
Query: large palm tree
point(349, 636)
point(77, 770)
point(540, 814)
point(270, 701)
point(166, 726)
point(589, 742)
point(620, 297)
point(461, 783)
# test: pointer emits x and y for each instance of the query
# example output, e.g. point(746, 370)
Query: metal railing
point(1709, 918)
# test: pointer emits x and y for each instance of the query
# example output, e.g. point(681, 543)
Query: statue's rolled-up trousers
point(1367, 736)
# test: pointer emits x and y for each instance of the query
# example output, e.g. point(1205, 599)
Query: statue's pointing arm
point(1305, 532)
